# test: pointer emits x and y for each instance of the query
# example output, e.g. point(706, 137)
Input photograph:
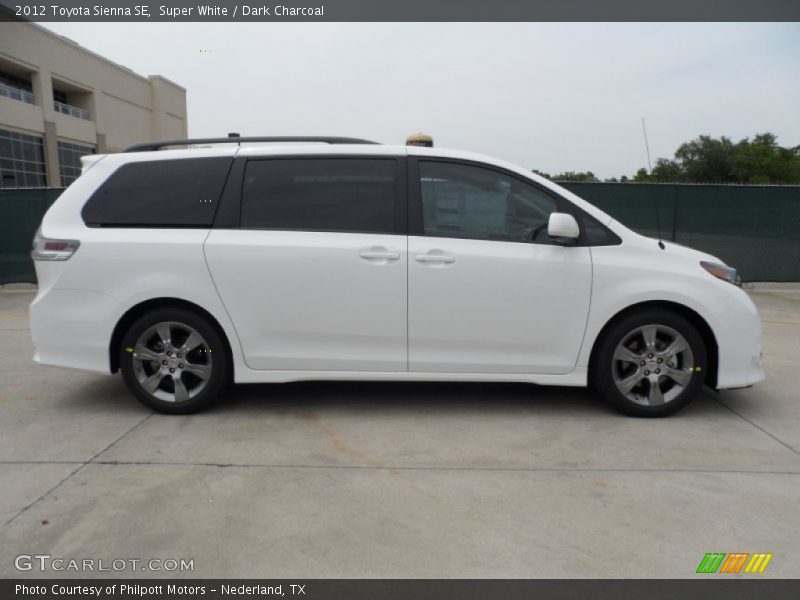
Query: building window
point(15, 81)
point(61, 104)
point(16, 88)
point(69, 159)
point(21, 160)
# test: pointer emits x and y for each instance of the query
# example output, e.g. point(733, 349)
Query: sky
point(551, 96)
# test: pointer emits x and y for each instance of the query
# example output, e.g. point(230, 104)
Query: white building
point(59, 101)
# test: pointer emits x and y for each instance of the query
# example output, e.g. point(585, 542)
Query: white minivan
point(337, 259)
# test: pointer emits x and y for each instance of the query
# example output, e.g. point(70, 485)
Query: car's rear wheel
point(174, 361)
point(650, 363)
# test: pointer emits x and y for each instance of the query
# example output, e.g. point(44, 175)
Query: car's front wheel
point(174, 361)
point(650, 363)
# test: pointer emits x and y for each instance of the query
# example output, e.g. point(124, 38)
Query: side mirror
point(563, 228)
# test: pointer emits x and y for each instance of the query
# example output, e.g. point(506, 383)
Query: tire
point(653, 380)
point(174, 361)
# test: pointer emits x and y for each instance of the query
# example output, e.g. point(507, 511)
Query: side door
point(314, 277)
point(489, 292)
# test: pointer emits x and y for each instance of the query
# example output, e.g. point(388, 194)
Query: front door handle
point(379, 254)
point(435, 258)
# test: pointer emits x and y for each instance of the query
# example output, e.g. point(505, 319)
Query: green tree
point(667, 170)
point(588, 176)
point(762, 160)
point(707, 160)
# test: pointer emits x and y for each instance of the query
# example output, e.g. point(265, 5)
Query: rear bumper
point(738, 332)
point(72, 328)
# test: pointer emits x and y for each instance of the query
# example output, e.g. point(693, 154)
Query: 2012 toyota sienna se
point(189, 269)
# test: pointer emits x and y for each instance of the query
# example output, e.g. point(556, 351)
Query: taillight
point(50, 249)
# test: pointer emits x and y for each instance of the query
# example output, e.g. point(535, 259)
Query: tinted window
point(595, 234)
point(329, 194)
point(473, 202)
point(179, 193)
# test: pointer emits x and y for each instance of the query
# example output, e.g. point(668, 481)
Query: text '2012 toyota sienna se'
point(190, 269)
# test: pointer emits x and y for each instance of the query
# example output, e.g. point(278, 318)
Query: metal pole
point(647, 147)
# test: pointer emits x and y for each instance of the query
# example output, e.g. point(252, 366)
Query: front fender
point(621, 282)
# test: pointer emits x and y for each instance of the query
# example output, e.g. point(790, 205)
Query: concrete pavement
point(397, 480)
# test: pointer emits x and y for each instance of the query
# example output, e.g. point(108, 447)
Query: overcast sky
point(553, 97)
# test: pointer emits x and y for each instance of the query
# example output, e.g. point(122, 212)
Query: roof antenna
point(647, 148)
point(649, 172)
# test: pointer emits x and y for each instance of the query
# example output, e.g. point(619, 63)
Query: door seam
point(408, 315)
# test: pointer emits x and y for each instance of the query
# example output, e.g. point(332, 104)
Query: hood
point(681, 250)
point(676, 250)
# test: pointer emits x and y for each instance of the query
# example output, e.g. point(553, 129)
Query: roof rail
point(146, 146)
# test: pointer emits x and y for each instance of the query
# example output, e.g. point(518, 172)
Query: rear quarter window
point(160, 193)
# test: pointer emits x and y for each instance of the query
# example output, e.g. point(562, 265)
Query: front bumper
point(737, 327)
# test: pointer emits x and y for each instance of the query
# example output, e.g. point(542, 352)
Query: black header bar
point(178, 11)
point(702, 588)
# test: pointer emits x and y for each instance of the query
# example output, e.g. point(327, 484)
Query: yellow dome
point(420, 139)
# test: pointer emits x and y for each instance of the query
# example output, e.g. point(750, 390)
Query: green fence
point(754, 228)
point(21, 211)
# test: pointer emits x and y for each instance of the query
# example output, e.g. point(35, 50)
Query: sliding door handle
point(379, 255)
point(435, 258)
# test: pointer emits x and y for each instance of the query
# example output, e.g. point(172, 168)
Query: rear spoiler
point(89, 160)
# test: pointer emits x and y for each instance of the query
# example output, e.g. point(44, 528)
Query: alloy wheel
point(172, 361)
point(652, 365)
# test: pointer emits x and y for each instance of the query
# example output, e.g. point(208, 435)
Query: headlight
point(723, 272)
